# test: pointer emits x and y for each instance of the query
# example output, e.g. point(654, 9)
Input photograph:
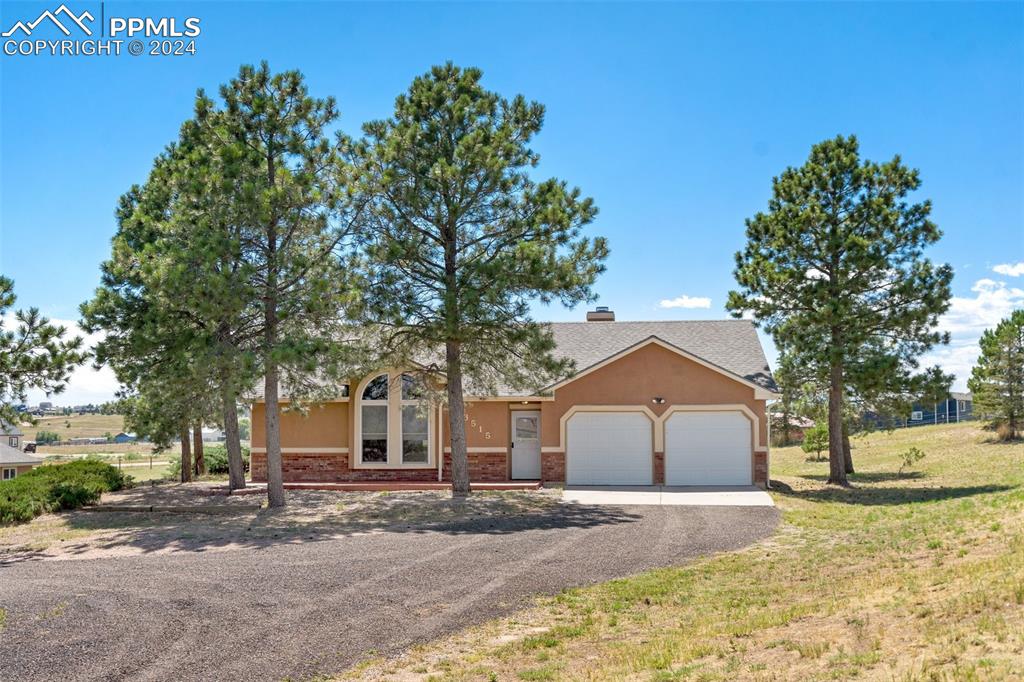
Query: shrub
point(55, 487)
point(815, 439)
point(45, 437)
point(1004, 433)
point(909, 458)
point(216, 457)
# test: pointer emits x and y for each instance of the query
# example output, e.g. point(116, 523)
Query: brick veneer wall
point(483, 466)
point(659, 468)
point(552, 467)
point(761, 469)
point(312, 467)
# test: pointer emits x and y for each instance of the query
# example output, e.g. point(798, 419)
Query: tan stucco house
point(14, 462)
point(673, 403)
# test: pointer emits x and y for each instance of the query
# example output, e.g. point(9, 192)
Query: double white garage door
point(616, 448)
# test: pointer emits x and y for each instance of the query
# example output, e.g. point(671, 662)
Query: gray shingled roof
point(10, 456)
point(731, 345)
point(8, 429)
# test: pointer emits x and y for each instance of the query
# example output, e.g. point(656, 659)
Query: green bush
point(909, 458)
point(215, 456)
point(45, 437)
point(815, 439)
point(55, 487)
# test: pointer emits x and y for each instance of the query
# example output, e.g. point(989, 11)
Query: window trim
point(13, 441)
point(5, 477)
point(394, 440)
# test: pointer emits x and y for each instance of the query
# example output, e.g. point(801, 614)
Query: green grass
point(919, 577)
point(141, 472)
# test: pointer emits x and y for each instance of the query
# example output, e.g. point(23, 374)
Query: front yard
point(220, 522)
point(912, 578)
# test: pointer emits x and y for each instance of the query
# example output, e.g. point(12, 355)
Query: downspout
point(768, 448)
point(440, 444)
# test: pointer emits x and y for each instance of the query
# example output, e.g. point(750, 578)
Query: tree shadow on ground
point(872, 476)
point(885, 496)
point(109, 533)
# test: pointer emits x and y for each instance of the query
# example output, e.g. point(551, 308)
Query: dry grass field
point(86, 426)
point(913, 577)
point(76, 426)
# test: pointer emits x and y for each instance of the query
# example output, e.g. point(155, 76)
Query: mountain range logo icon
point(78, 20)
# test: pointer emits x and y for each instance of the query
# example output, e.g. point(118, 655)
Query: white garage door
point(707, 448)
point(608, 448)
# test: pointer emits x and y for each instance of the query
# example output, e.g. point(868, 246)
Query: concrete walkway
point(703, 496)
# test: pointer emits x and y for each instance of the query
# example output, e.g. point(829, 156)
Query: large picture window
point(395, 426)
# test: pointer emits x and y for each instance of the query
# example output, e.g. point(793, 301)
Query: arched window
point(374, 445)
point(394, 422)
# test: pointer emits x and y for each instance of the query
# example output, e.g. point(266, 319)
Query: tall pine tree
point(461, 240)
point(835, 270)
point(997, 381)
point(289, 199)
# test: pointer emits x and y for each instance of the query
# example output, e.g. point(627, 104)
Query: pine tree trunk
point(186, 456)
point(457, 421)
point(275, 478)
point(272, 423)
point(197, 450)
point(236, 467)
point(836, 458)
point(847, 450)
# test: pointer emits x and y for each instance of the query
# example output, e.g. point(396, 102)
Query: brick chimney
point(601, 314)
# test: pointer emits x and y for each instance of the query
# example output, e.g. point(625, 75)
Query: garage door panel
point(708, 448)
point(608, 448)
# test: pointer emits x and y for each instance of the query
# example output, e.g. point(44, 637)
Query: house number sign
point(480, 429)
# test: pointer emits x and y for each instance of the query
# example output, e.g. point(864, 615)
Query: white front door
point(708, 448)
point(609, 448)
point(526, 444)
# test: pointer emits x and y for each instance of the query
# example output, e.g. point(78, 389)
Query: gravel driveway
point(295, 610)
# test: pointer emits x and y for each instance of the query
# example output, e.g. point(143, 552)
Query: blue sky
point(674, 117)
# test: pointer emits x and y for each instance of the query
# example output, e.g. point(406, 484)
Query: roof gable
point(654, 340)
point(728, 345)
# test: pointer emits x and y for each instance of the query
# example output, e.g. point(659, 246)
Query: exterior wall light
point(658, 401)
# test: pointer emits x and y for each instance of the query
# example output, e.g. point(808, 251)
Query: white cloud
point(1010, 269)
point(967, 318)
point(685, 301)
point(993, 301)
point(86, 385)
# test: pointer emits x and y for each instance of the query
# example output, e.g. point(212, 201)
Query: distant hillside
point(74, 426)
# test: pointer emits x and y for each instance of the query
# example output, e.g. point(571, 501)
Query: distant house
point(797, 428)
point(12, 460)
point(125, 438)
point(212, 435)
point(957, 407)
point(11, 435)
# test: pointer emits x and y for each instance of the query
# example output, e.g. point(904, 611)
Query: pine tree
point(288, 197)
point(836, 273)
point(34, 354)
point(461, 240)
point(997, 381)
